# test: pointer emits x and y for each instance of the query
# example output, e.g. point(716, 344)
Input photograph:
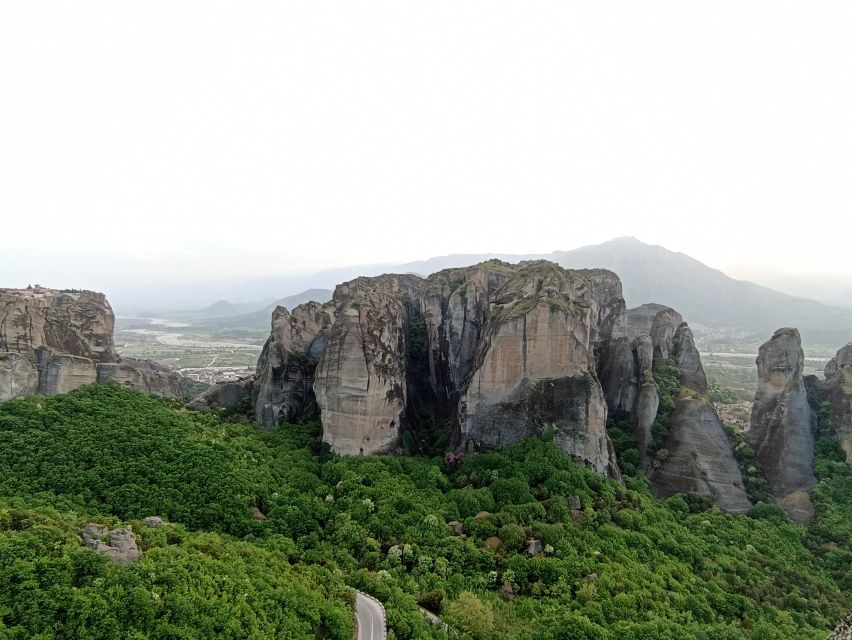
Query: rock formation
point(510, 351)
point(118, 545)
point(502, 352)
point(783, 423)
point(56, 341)
point(843, 631)
point(227, 395)
point(78, 323)
point(837, 389)
point(362, 377)
point(533, 364)
point(698, 456)
point(283, 387)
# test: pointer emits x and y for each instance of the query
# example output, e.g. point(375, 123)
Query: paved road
point(371, 618)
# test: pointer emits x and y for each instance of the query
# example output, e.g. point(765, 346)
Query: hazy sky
point(192, 140)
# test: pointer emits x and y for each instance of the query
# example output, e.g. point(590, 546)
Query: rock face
point(283, 387)
point(700, 458)
point(362, 377)
point(227, 395)
point(510, 351)
point(18, 376)
point(79, 323)
point(659, 323)
point(533, 366)
point(56, 341)
point(837, 389)
point(782, 421)
point(142, 375)
point(501, 352)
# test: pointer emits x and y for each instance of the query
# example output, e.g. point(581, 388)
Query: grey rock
point(837, 390)
point(142, 375)
point(362, 377)
point(283, 387)
point(574, 503)
point(782, 420)
point(226, 395)
point(699, 458)
point(659, 323)
point(118, 545)
point(843, 631)
point(534, 547)
point(18, 376)
point(61, 372)
point(56, 341)
point(153, 522)
point(77, 323)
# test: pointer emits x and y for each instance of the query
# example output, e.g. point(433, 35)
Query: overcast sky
point(180, 141)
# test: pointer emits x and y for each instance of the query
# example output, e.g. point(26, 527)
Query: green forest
point(540, 548)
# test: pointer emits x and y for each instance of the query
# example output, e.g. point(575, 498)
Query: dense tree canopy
point(623, 565)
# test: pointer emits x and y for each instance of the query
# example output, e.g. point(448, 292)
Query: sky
point(196, 141)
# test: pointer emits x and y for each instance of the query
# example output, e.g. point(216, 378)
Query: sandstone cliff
point(837, 389)
point(56, 341)
point(783, 423)
point(77, 323)
point(283, 387)
point(507, 351)
point(533, 364)
point(698, 457)
point(362, 377)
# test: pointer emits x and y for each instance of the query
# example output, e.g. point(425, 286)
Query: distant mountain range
point(706, 297)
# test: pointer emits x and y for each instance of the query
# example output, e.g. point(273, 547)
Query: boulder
point(224, 395)
point(534, 547)
point(153, 522)
point(782, 421)
point(118, 545)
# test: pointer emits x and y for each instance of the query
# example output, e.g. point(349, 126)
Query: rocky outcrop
point(61, 372)
point(362, 377)
point(57, 341)
point(283, 387)
point(837, 390)
point(226, 395)
point(142, 375)
point(509, 352)
point(534, 364)
point(698, 457)
point(118, 545)
point(843, 631)
point(782, 421)
point(659, 323)
point(78, 323)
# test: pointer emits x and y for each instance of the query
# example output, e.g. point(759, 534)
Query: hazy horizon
point(287, 138)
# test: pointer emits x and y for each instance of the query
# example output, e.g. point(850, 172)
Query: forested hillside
point(539, 548)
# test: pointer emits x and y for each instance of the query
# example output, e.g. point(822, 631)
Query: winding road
point(371, 618)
